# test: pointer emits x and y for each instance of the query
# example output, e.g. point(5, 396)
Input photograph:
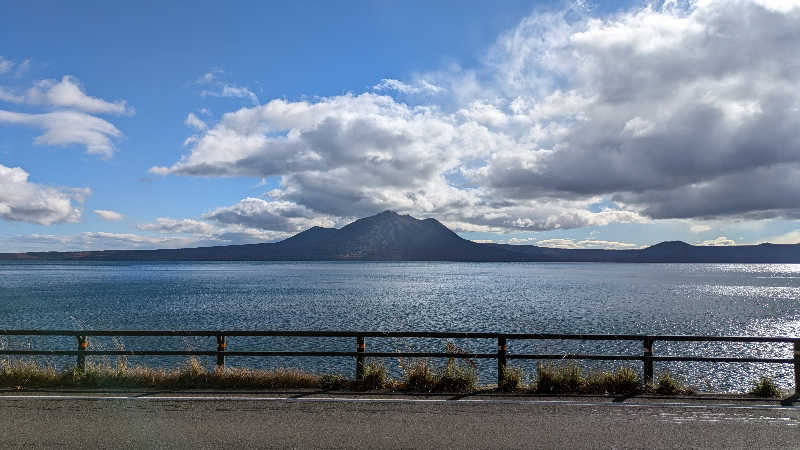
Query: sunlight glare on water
point(706, 299)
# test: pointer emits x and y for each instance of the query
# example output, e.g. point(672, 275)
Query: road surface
point(158, 420)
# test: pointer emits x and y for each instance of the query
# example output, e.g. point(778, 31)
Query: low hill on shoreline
point(389, 236)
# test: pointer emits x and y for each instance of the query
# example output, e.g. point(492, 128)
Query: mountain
point(394, 237)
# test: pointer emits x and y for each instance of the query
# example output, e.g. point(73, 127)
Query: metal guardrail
point(360, 354)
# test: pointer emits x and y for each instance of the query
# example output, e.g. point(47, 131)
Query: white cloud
point(791, 237)
point(91, 240)
point(718, 241)
point(109, 215)
point(70, 122)
point(195, 122)
point(5, 65)
point(231, 90)
point(23, 201)
point(269, 215)
point(418, 87)
point(209, 77)
point(671, 112)
point(68, 93)
point(8, 96)
point(184, 226)
point(699, 228)
point(68, 127)
point(586, 244)
point(22, 67)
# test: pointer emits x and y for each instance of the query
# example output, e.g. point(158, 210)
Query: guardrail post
point(796, 368)
point(221, 351)
point(83, 344)
point(501, 359)
point(361, 347)
point(648, 362)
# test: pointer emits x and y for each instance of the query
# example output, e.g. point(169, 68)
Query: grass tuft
point(765, 387)
point(333, 382)
point(375, 377)
point(668, 384)
point(554, 379)
point(419, 376)
point(569, 379)
point(511, 379)
point(456, 377)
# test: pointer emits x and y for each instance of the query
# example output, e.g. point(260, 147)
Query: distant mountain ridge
point(389, 236)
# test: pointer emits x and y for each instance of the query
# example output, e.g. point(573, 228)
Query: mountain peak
point(671, 245)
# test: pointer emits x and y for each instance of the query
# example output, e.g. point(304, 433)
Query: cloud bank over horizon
point(652, 113)
point(678, 116)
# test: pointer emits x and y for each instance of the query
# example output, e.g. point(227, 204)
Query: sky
point(573, 124)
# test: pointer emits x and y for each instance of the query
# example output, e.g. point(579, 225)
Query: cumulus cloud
point(671, 112)
point(268, 215)
point(68, 127)
point(23, 201)
point(354, 155)
point(71, 120)
point(673, 101)
point(111, 216)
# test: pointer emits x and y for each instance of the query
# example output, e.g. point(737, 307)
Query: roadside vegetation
point(765, 387)
point(418, 375)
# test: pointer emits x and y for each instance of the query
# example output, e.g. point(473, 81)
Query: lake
point(712, 299)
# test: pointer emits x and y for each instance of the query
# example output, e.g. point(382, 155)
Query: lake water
point(712, 299)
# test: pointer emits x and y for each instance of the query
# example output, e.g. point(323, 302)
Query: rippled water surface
point(713, 299)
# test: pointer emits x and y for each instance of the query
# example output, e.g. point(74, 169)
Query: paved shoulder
point(161, 421)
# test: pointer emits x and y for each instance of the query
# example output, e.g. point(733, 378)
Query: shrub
point(766, 388)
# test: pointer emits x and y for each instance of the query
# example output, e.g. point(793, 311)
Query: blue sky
point(572, 124)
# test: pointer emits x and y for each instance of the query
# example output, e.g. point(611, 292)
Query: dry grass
point(511, 379)
point(569, 378)
point(668, 384)
point(191, 375)
point(421, 376)
point(375, 377)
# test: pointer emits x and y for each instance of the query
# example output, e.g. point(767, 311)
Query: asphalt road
point(161, 421)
